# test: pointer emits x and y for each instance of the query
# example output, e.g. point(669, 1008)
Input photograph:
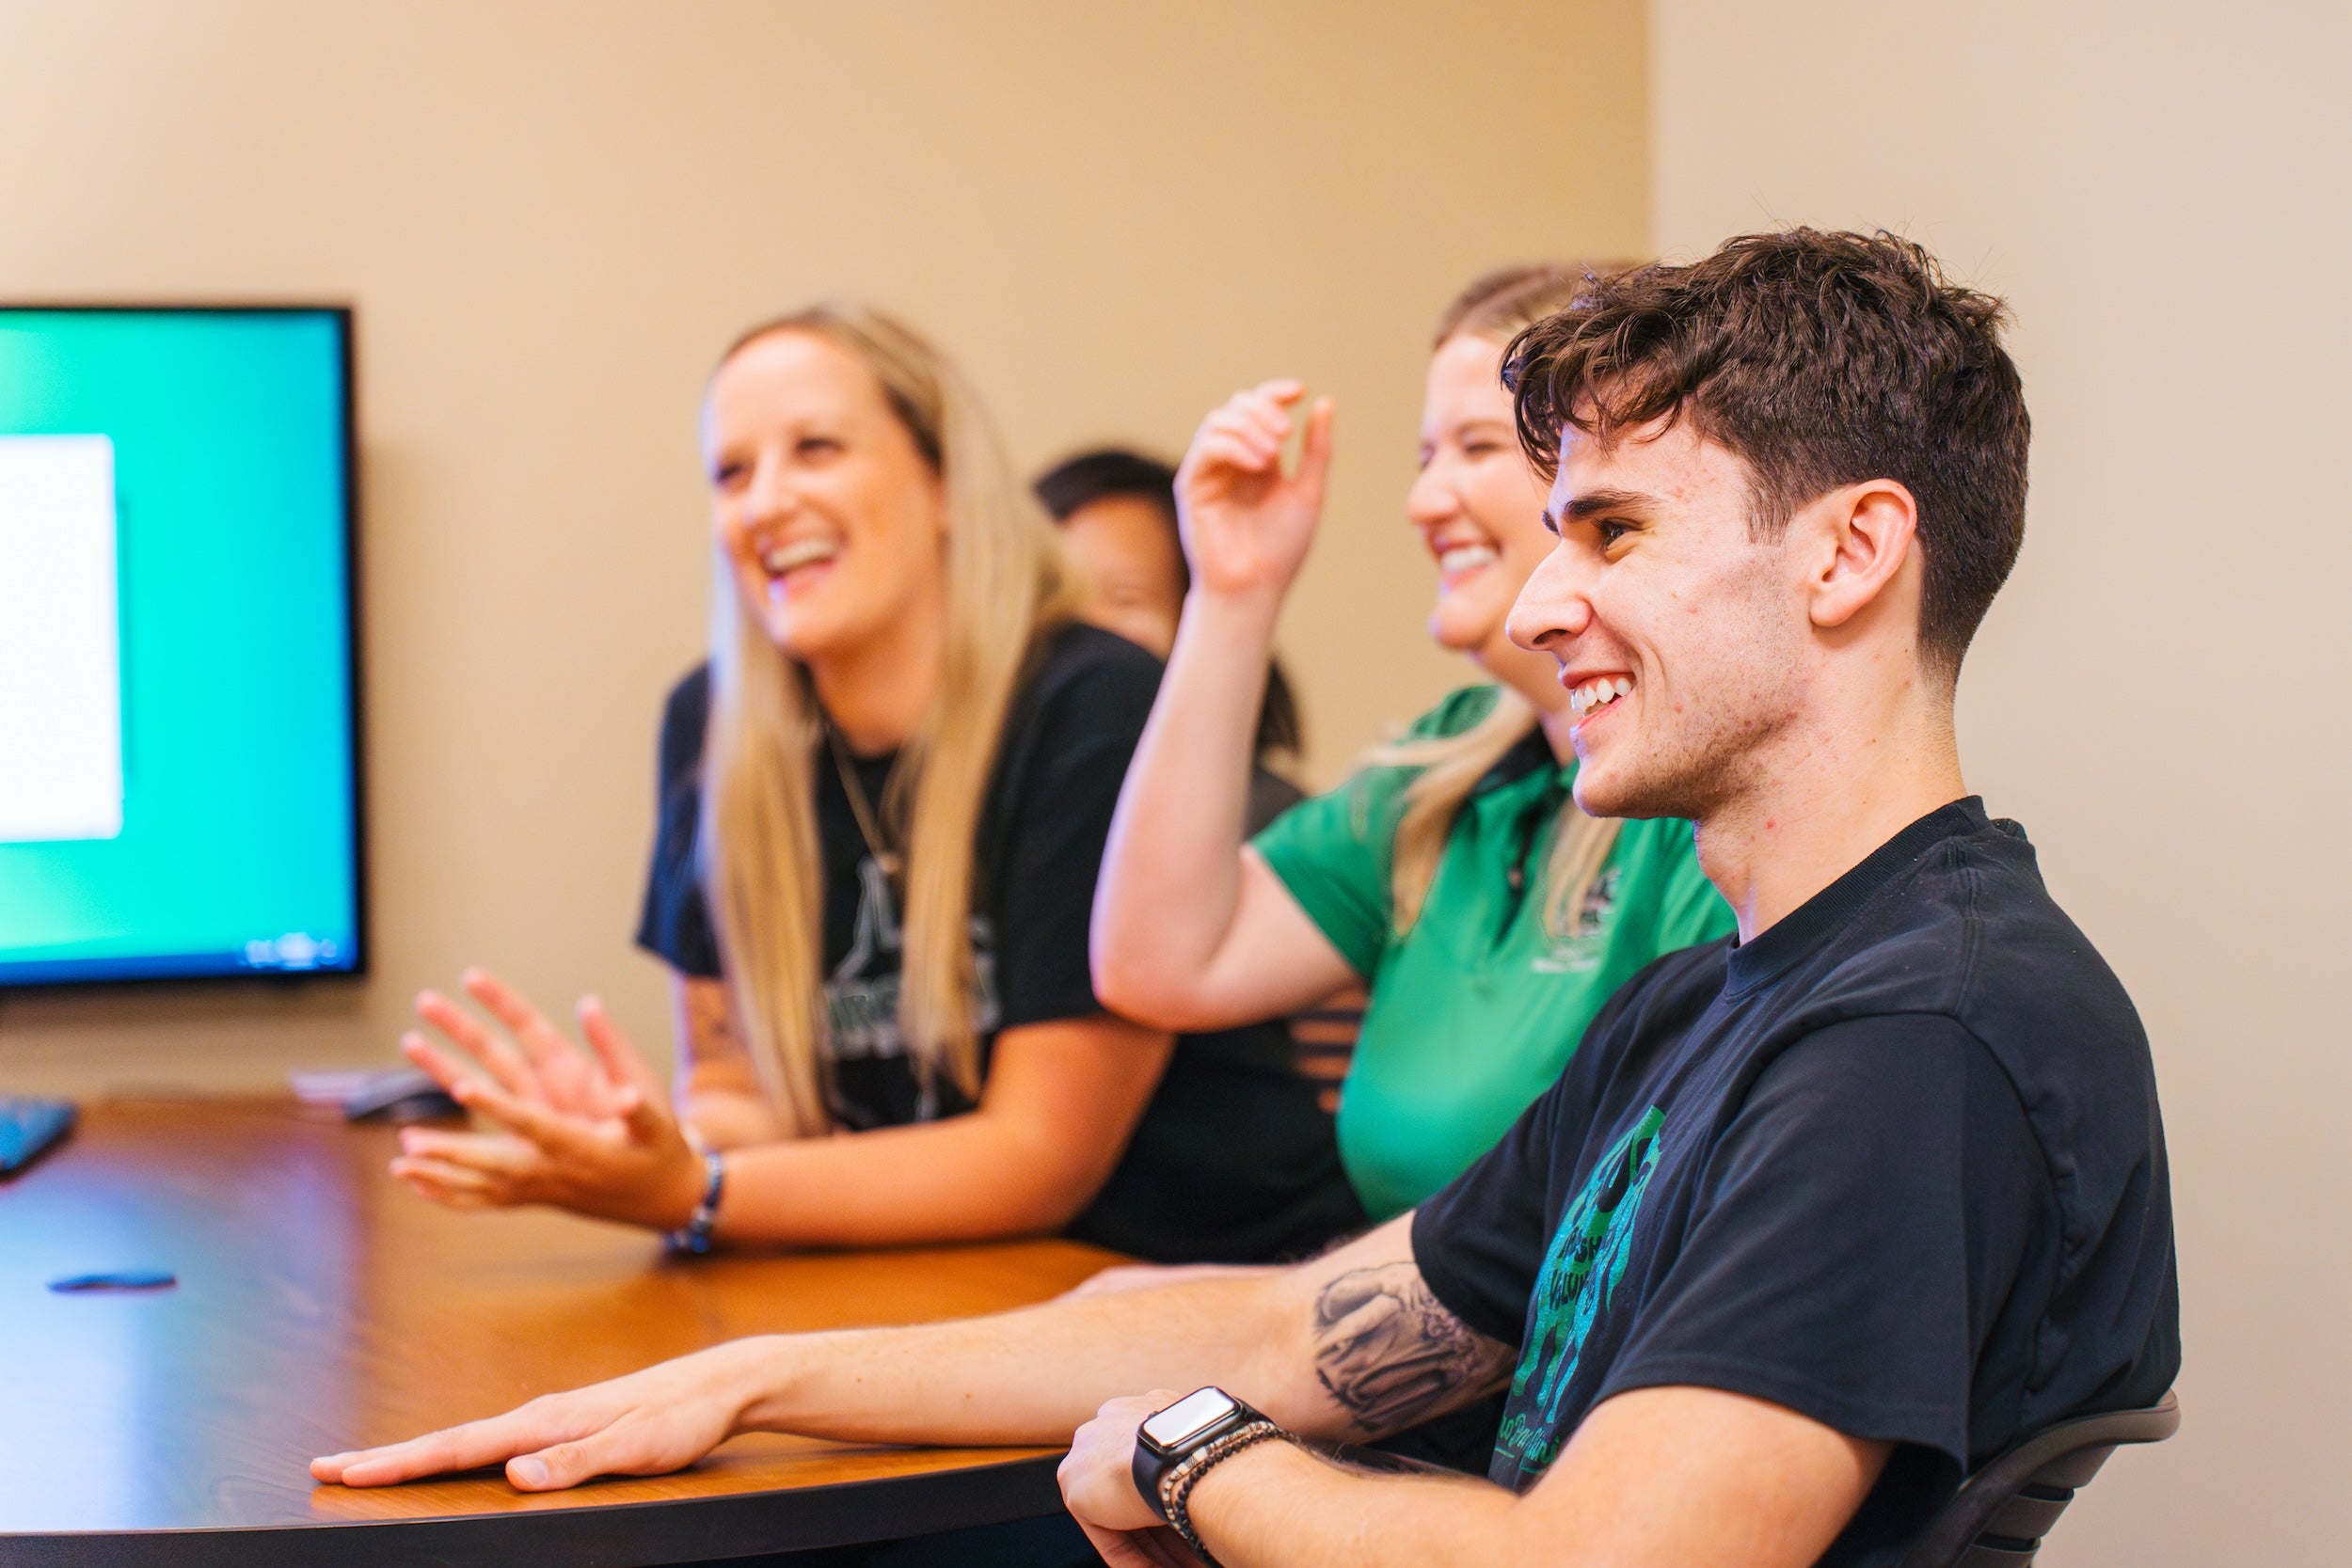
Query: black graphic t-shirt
point(1232, 1160)
point(1896, 1164)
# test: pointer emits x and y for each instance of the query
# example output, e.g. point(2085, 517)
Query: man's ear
point(1866, 531)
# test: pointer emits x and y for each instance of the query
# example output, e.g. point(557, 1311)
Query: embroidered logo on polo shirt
point(1581, 949)
point(1579, 1274)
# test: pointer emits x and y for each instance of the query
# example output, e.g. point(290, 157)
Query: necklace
point(869, 820)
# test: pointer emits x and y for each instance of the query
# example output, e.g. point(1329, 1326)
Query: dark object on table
point(28, 1126)
point(402, 1096)
point(119, 1279)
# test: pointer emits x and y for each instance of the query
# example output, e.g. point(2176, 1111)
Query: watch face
point(1189, 1417)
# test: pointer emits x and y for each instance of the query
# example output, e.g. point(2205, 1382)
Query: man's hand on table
point(667, 1417)
point(645, 1424)
point(1098, 1486)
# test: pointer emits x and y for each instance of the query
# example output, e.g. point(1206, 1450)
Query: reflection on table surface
point(321, 1307)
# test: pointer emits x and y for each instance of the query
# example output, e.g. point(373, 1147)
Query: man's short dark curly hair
point(1821, 359)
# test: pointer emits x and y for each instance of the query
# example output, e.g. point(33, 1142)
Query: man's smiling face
point(1680, 639)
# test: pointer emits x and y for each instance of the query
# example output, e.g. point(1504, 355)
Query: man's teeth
point(779, 559)
point(1593, 695)
point(1465, 557)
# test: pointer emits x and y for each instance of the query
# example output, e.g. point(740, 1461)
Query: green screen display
point(178, 786)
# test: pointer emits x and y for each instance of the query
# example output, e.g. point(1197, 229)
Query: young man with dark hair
point(1815, 1220)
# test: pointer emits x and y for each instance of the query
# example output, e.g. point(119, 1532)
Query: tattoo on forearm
point(1389, 1350)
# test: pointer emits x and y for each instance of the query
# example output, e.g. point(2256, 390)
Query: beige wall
point(553, 214)
point(2159, 695)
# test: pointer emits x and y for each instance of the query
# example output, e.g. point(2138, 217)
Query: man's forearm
point(1031, 1376)
point(1276, 1506)
point(1347, 1343)
point(1345, 1346)
point(1654, 1478)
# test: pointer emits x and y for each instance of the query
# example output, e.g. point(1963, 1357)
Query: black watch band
point(1184, 1429)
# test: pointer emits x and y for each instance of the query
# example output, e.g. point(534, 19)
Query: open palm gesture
point(1246, 525)
point(589, 1131)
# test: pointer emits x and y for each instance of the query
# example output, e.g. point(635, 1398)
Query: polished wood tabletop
point(321, 1307)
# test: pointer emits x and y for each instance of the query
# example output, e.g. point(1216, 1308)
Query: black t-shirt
point(1896, 1164)
point(1234, 1160)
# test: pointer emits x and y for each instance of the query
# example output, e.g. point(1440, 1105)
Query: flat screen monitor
point(179, 767)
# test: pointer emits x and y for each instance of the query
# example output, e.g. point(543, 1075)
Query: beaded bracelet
point(1176, 1486)
point(695, 1238)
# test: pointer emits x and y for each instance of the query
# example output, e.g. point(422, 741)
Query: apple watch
point(1177, 1444)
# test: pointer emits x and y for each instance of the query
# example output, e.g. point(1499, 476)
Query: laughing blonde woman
point(883, 803)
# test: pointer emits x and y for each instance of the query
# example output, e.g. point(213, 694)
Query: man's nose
point(1552, 608)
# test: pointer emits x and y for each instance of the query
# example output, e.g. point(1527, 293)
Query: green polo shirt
point(1476, 1008)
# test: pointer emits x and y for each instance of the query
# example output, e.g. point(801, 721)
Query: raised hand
point(1246, 524)
point(647, 1423)
point(589, 1133)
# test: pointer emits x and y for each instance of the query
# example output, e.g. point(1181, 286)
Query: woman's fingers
point(1247, 431)
point(1314, 453)
point(1267, 407)
point(1283, 390)
point(1229, 435)
point(548, 1049)
point(553, 1130)
point(568, 1079)
point(623, 1062)
point(461, 1189)
point(495, 1152)
point(462, 1171)
point(497, 1056)
point(437, 1064)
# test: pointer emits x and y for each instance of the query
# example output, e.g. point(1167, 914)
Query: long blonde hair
point(1494, 307)
point(1006, 582)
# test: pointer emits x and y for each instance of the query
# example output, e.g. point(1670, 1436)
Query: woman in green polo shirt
point(1453, 875)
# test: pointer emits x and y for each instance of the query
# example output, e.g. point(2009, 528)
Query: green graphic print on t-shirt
point(1587, 1257)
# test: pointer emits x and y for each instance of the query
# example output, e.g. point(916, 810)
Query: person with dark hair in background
point(1818, 1218)
point(1118, 518)
point(1117, 512)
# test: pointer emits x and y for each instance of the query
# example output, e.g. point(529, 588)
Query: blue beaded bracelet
point(695, 1238)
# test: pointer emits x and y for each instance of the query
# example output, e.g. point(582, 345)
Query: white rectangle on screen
point(60, 650)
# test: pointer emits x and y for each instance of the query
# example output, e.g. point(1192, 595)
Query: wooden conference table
point(320, 1307)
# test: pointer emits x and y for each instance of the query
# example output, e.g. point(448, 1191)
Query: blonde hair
point(1495, 308)
point(1006, 582)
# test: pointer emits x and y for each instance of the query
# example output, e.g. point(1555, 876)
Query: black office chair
point(2000, 1514)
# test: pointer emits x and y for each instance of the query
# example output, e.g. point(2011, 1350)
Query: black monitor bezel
point(344, 314)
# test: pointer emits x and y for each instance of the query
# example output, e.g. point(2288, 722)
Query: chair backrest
point(2000, 1514)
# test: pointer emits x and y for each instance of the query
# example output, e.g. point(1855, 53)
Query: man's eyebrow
point(1594, 503)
